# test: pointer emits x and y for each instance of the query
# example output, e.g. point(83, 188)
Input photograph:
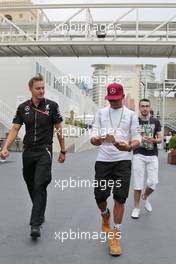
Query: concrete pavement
point(149, 240)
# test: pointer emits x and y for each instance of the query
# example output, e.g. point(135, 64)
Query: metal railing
point(6, 117)
point(170, 121)
point(42, 33)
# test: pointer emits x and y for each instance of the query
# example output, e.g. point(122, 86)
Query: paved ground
point(148, 240)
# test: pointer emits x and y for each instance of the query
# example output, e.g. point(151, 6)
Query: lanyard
point(46, 112)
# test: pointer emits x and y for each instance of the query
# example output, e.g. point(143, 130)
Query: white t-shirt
point(126, 126)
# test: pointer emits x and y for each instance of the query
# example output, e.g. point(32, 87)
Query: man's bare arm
point(127, 147)
point(60, 136)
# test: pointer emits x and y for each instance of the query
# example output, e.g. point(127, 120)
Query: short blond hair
point(36, 78)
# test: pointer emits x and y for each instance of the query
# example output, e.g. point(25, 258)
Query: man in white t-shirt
point(115, 130)
point(145, 158)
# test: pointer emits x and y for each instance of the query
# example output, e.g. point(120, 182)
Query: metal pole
point(163, 114)
point(37, 25)
point(87, 5)
point(84, 120)
point(145, 87)
point(137, 23)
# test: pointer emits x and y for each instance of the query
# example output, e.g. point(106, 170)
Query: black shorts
point(113, 176)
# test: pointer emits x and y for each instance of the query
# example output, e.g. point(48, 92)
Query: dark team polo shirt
point(152, 126)
point(39, 121)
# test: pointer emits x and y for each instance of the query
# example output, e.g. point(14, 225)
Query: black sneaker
point(35, 231)
point(43, 219)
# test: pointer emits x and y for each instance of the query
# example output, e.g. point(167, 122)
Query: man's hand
point(110, 139)
point(11, 137)
point(150, 139)
point(61, 158)
point(4, 153)
point(97, 141)
point(122, 146)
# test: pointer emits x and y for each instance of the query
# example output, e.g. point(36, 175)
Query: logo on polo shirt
point(27, 108)
point(47, 107)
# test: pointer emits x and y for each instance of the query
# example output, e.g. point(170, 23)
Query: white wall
point(15, 74)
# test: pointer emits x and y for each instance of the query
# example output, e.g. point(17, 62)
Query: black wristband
point(130, 149)
point(63, 152)
point(115, 144)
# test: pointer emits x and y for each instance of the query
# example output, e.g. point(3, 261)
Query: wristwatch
point(63, 152)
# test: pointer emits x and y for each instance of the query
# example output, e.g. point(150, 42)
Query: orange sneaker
point(114, 237)
point(106, 222)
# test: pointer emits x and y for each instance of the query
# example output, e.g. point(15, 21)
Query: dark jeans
point(37, 175)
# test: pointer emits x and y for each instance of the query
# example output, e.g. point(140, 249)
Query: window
point(37, 68)
point(43, 72)
point(49, 79)
point(68, 92)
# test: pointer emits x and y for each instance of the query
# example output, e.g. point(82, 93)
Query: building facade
point(14, 76)
point(20, 16)
point(133, 77)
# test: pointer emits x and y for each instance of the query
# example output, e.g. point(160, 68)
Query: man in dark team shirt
point(39, 115)
point(145, 157)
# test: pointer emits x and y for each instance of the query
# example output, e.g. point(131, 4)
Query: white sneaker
point(2, 160)
point(148, 206)
point(135, 213)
